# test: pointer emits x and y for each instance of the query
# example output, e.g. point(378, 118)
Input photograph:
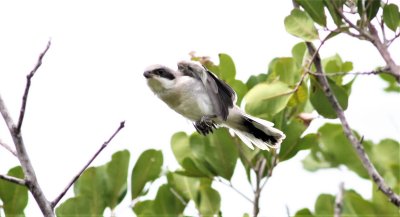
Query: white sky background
point(91, 79)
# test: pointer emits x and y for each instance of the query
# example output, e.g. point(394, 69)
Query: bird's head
point(160, 78)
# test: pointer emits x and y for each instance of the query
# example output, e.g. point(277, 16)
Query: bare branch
point(373, 72)
point(30, 176)
point(230, 185)
point(339, 201)
point(13, 179)
point(58, 198)
point(11, 150)
point(373, 173)
point(28, 84)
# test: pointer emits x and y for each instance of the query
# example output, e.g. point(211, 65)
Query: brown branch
point(30, 176)
point(28, 85)
point(339, 201)
point(12, 151)
point(13, 179)
point(58, 198)
point(373, 173)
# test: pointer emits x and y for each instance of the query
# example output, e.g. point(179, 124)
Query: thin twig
point(235, 189)
point(12, 151)
point(58, 198)
point(28, 85)
point(374, 72)
point(339, 201)
point(13, 179)
point(23, 157)
point(373, 173)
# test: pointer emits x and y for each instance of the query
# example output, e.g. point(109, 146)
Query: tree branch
point(235, 189)
point(339, 201)
point(58, 198)
point(30, 176)
point(28, 85)
point(13, 179)
point(12, 151)
point(373, 173)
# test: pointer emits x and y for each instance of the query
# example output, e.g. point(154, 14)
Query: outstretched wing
point(222, 96)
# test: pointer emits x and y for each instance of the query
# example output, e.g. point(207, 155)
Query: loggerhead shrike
point(197, 94)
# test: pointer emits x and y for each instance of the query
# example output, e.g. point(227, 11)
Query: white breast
point(189, 98)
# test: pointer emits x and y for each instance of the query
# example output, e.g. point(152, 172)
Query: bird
point(209, 102)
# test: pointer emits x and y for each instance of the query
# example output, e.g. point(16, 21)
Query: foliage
point(284, 95)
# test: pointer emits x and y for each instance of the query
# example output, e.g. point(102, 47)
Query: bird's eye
point(160, 71)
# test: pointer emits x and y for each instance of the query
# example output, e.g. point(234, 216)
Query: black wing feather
point(223, 94)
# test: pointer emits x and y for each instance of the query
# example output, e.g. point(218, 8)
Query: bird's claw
point(205, 125)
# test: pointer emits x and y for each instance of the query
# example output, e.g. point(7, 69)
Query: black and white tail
point(252, 130)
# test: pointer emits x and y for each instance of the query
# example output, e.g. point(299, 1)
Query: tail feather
point(258, 132)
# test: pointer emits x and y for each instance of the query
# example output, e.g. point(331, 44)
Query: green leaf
point(267, 99)
point(144, 208)
point(324, 206)
point(321, 103)
point(226, 67)
point(332, 5)
point(166, 203)
point(185, 186)
point(240, 89)
point(391, 81)
point(386, 158)
point(315, 8)
point(391, 16)
point(185, 156)
point(254, 80)
point(287, 70)
point(78, 206)
point(93, 185)
point(381, 203)
point(355, 205)
point(372, 8)
point(299, 52)
point(301, 25)
point(117, 171)
point(293, 131)
point(304, 213)
point(208, 201)
point(147, 169)
point(14, 197)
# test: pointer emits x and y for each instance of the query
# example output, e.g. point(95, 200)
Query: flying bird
point(200, 96)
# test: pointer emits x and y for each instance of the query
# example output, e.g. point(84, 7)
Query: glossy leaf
point(324, 205)
point(321, 103)
point(14, 197)
point(185, 186)
point(299, 52)
point(117, 171)
point(226, 67)
point(183, 152)
point(315, 8)
point(372, 8)
point(240, 89)
point(166, 203)
point(147, 169)
point(391, 16)
point(144, 208)
point(287, 70)
point(78, 206)
point(293, 131)
point(355, 205)
point(304, 213)
point(299, 24)
point(93, 185)
point(332, 5)
point(391, 82)
point(254, 80)
point(267, 99)
point(208, 201)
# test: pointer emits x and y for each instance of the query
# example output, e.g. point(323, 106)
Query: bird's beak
point(147, 74)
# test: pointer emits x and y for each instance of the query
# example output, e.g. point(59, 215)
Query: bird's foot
point(205, 125)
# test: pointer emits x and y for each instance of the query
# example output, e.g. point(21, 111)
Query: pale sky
point(91, 79)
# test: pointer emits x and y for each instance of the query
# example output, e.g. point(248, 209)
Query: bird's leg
point(205, 125)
